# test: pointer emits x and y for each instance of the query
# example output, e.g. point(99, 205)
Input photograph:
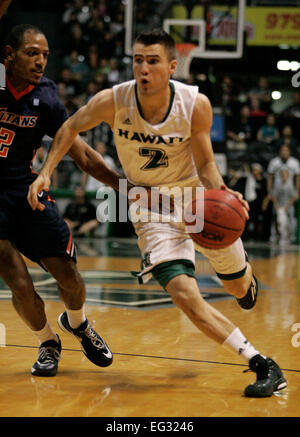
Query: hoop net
point(183, 56)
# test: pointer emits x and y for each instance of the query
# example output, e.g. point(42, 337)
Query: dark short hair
point(286, 145)
point(158, 36)
point(16, 35)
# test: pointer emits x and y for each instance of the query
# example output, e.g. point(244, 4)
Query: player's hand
point(240, 198)
point(41, 183)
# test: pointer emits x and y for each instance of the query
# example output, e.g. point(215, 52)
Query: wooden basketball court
point(163, 366)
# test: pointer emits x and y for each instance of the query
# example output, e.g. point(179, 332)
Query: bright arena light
point(283, 65)
point(276, 95)
point(294, 65)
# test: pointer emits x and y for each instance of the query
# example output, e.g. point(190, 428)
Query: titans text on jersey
point(16, 119)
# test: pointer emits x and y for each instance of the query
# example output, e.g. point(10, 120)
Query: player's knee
point(238, 287)
point(72, 282)
point(180, 298)
point(193, 305)
point(185, 298)
point(65, 273)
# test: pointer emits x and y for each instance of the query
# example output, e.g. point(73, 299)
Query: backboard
point(209, 29)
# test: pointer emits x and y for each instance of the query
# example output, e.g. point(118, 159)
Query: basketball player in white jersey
point(162, 135)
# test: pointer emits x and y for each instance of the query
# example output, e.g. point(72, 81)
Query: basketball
point(224, 219)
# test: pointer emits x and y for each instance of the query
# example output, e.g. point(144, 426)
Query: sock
point(76, 317)
point(237, 341)
point(45, 334)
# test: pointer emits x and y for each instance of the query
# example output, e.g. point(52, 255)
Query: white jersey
point(276, 164)
point(161, 154)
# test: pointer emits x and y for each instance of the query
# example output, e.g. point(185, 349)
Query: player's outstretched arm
point(207, 168)
point(99, 109)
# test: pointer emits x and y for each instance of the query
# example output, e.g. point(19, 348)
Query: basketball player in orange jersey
point(162, 134)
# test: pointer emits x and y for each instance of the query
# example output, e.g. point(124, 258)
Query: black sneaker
point(49, 356)
point(249, 300)
point(92, 345)
point(269, 378)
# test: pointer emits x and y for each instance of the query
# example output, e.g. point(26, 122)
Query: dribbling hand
point(240, 198)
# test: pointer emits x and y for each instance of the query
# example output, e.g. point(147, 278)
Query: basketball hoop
point(183, 56)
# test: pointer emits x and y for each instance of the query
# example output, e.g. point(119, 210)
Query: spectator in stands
point(268, 132)
point(257, 115)
point(255, 109)
point(291, 114)
point(90, 91)
point(107, 48)
point(240, 131)
point(96, 29)
point(119, 49)
point(287, 137)
point(284, 196)
point(113, 76)
point(256, 193)
point(101, 8)
point(95, 64)
point(236, 176)
point(100, 80)
point(88, 182)
point(72, 87)
point(284, 158)
point(77, 66)
point(263, 93)
point(141, 19)
point(62, 92)
point(80, 215)
point(229, 96)
point(117, 24)
point(93, 61)
point(75, 39)
point(75, 12)
point(104, 66)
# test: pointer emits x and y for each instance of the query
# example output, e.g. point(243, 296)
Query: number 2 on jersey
point(157, 158)
point(6, 138)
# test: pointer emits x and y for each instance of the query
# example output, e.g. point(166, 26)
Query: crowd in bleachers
point(93, 59)
point(260, 144)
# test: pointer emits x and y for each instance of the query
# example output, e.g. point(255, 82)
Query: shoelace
point(48, 353)
point(93, 336)
point(261, 373)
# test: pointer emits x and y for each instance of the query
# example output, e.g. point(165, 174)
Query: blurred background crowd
point(261, 143)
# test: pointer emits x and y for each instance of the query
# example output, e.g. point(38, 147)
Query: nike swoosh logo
point(253, 291)
point(40, 194)
point(107, 354)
